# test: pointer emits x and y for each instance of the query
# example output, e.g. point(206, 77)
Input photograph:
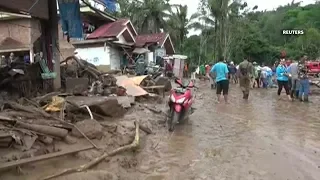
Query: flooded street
point(265, 138)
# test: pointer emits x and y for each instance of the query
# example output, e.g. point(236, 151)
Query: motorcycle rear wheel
point(173, 120)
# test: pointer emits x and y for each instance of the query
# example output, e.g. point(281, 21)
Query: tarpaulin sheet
point(132, 89)
point(138, 79)
point(70, 18)
point(111, 5)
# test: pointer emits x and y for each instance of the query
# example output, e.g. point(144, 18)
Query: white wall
point(101, 56)
point(150, 57)
point(95, 55)
point(115, 58)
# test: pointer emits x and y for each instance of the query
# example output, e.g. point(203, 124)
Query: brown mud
point(264, 138)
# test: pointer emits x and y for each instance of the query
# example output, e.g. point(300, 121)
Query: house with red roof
point(92, 19)
point(154, 41)
point(159, 45)
point(107, 45)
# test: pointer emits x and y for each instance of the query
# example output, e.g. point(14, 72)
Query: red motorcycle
point(180, 101)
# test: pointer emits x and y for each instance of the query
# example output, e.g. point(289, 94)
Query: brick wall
point(66, 49)
point(29, 30)
point(24, 30)
point(39, 7)
point(18, 29)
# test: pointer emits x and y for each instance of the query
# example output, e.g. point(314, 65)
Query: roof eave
point(123, 30)
point(134, 29)
point(93, 41)
point(168, 38)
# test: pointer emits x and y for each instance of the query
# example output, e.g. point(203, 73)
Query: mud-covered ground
point(264, 138)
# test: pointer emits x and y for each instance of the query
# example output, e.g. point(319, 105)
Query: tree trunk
point(221, 35)
point(216, 39)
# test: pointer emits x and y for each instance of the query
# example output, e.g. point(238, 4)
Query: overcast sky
point(262, 4)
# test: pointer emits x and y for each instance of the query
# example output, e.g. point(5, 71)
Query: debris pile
point(21, 79)
point(80, 118)
point(82, 78)
point(32, 129)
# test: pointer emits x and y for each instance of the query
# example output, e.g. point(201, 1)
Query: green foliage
point(230, 29)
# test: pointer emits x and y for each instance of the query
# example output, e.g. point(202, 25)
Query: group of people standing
point(294, 79)
point(291, 77)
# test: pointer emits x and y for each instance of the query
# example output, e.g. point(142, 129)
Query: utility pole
point(52, 5)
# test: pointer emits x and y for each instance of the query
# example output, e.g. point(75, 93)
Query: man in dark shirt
point(232, 71)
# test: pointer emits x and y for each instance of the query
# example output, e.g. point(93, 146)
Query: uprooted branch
point(94, 162)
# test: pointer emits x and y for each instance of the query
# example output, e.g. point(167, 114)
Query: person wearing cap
point(283, 79)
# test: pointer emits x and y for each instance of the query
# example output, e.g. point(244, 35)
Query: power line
point(33, 5)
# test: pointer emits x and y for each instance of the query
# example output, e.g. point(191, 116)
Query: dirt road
point(265, 138)
point(262, 139)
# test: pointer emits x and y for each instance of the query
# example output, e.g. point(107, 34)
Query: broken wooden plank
point(7, 119)
point(159, 89)
point(42, 157)
point(153, 87)
point(53, 131)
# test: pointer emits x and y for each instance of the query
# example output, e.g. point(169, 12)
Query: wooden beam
point(153, 87)
point(14, 50)
point(42, 157)
point(93, 41)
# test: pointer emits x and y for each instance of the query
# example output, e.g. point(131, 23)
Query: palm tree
point(150, 15)
point(127, 8)
point(221, 12)
point(177, 25)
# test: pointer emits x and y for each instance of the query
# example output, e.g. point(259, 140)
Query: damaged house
point(107, 45)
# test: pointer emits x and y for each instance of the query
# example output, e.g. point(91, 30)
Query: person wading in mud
point(282, 79)
point(304, 88)
point(245, 73)
point(293, 69)
point(220, 71)
point(212, 78)
point(233, 71)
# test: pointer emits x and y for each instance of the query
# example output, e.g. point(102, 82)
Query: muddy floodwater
point(264, 138)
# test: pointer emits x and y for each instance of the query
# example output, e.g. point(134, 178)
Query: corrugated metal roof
point(109, 30)
point(159, 38)
point(141, 40)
